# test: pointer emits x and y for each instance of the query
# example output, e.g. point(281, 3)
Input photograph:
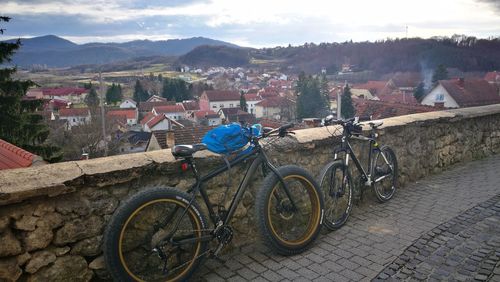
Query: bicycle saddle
point(183, 151)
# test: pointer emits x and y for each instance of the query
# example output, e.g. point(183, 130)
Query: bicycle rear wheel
point(141, 242)
point(384, 173)
point(336, 184)
point(283, 229)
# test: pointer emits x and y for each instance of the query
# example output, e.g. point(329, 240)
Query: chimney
point(461, 82)
point(170, 138)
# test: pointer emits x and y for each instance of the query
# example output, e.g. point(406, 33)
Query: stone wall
point(52, 217)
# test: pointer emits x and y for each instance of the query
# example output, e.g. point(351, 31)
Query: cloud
point(255, 23)
point(494, 3)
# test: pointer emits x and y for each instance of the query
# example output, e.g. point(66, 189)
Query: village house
point(375, 87)
point(164, 139)
point(402, 83)
point(252, 99)
point(128, 103)
point(156, 98)
point(210, 118)
point(147, 107)
point(74, 95)
point(277, 107)
point(460, 93)
point(133, 142)
point(236, 115)
point(217, 99)
point(131, 115)
point(190, 108)
point(175, 112)
point(74, 116)
point(159, 122)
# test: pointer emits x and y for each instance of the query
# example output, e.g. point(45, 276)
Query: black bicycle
point(335, 178)
point(162, 233)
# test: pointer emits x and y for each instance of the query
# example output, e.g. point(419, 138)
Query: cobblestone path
point(378, 236)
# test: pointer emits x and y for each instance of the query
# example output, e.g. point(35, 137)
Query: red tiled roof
point(252, 97)
point(402, 98)
point(148, 106)
point(154, 121)
point(492, 76)
point(375, 87)
point(274, 102)
point(471, 92)
point(12, 156)
point(208, 114)
point(381, 109)
point(79, 112)
point(169, 109)
point(221, 95)
point(147, 118)
point(63, 91)
point(190, 135)
point(128, 113)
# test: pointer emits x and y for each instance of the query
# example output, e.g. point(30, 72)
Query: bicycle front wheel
point(289, 222)
point(384, 173)
point(154, 236)
point(336, 184)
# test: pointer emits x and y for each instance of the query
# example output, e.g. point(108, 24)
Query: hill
point(54, 51)
point(413, 54)
point(221, 56)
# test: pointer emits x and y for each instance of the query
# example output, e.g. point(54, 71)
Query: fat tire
point(389, 151)
point(262, 204)
point(127, 208)
point(327, 222)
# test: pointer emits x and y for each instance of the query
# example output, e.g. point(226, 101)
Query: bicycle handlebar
point(282, 130)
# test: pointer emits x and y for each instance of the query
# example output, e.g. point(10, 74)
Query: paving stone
point(439, 229)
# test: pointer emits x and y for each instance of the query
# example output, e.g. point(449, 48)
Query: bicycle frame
point(346, 148)
point(259, 159)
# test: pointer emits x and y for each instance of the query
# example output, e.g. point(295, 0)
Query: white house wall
point(216, 106)
point(430, 98)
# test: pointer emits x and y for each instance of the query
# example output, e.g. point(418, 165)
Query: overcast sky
point(255, 23)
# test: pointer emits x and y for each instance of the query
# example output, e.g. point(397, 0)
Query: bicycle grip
point(287, 126)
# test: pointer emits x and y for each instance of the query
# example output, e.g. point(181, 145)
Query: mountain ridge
point(54, 51)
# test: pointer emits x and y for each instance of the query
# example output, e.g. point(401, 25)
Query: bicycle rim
point(294, 227)
point(145, 228)
point(337, 190)
point(386, 187)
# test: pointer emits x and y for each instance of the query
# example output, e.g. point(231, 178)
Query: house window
point(74, 119)
point(221, 105)
point(439, 97)
point(214, 106)
point(230, 105)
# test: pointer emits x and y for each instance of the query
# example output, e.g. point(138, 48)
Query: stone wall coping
point(54, 179)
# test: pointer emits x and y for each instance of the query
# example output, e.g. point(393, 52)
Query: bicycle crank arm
point(381, 178)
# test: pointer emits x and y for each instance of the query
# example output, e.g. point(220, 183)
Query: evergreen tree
point(140, 95)
point(310, 103)
point(175, 89)
point(347, 108)
point(243, 102)
point(92, 100)
point(419, 92)
point(20, 123)
point(325, 91)
point(440, 73)
point(114, 94)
